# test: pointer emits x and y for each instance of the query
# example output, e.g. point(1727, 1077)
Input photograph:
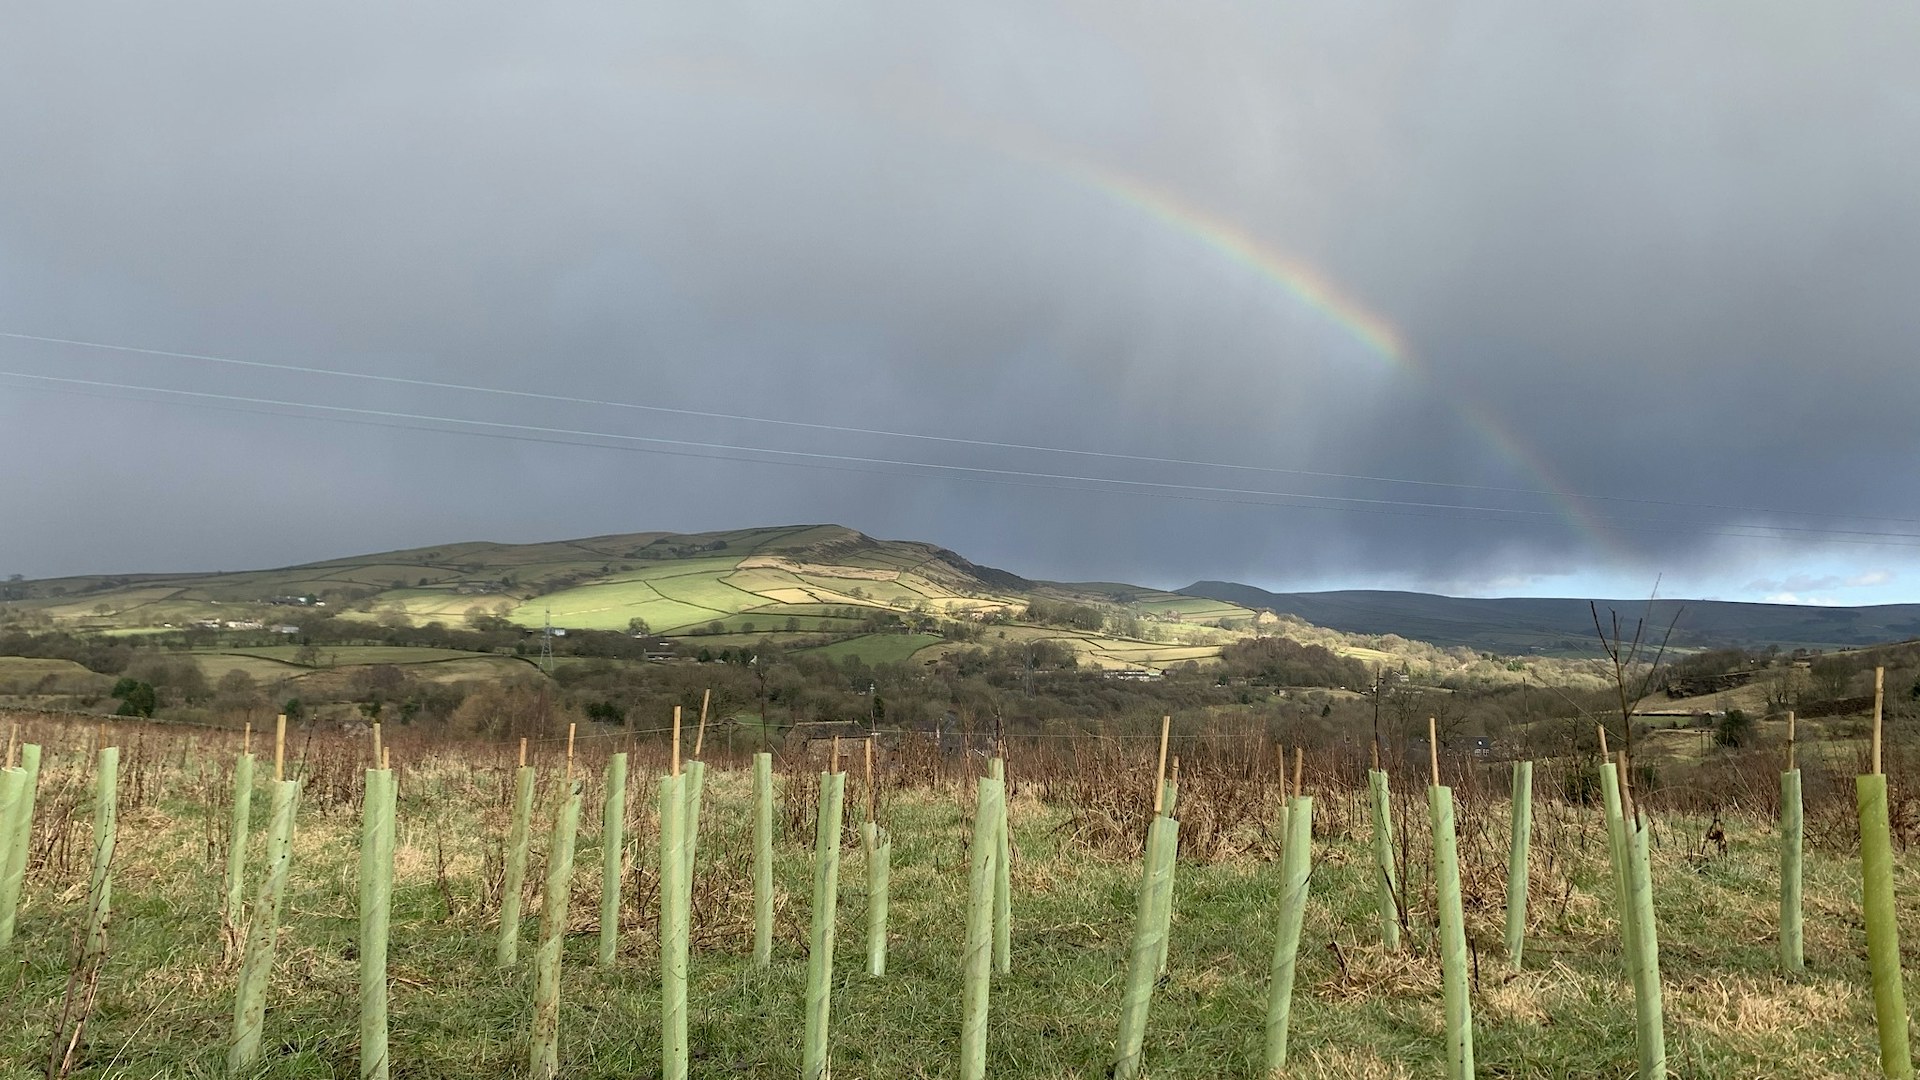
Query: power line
point(1018, 477)
point(845, 429)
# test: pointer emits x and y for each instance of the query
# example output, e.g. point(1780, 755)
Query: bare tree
point(1625, 656)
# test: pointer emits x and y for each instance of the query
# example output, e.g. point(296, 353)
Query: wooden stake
point(833, 763)
point(1879, 702)
point(523, 753)
point(570, 728)
point(246, 739)
point(1376, 756)
point(13, 738)
point(376, 744)
point(1791, 763)
point(676, 741)
point(1433, 748)
point(1604, 756)
point(1299, 765)
point(1627, 807)
point(700, 733)
point(870, 792)
point(386, 757)
point(280, 748)
point(1160, 777)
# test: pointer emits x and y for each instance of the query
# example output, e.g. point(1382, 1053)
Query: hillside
point(796, 585)
point(1555, 626)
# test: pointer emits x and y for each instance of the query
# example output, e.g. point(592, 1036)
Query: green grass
point(27, 675)
point(164, 1005)
point(877, 648)
point(612, 607)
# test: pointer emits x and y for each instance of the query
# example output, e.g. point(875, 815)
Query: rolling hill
point(833, 589)
point(1564, 626)
point(792, 585)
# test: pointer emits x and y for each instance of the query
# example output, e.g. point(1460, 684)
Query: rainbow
point(1308, 286)
point(918, 113)
point(1227, 239)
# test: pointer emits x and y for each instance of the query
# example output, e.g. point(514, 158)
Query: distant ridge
point(1564, 626)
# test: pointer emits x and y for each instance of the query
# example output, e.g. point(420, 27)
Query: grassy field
point(26, 675)
point(878, 648)
point(164, 1004)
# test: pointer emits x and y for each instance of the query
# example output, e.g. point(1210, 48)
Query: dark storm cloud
point(1636, 251)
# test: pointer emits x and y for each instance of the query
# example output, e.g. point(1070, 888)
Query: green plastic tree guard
point(1386, 891)
point(233, 910)
point(826, 898)
point(1793, 955)
point(519, 838)
point(696, 795)
point(263, 931)
point(878, 847)
point(544, 1060)
point(1883, 929)
point(977, 963)
point(1792, 833)
point(1149, 932)
point(613, 826)
point(13, 791)
point(1454, 971)
point(763, 859)
point(1296, 865)
point(106, 799)
point(1617, 852)
point(1520, 839)
point(1003, 876)
point(13, 872)
point(674, 922)
point(376, 905)
point(1648, 1011)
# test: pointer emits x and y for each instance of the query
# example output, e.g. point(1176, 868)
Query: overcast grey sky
point(1659, 258)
